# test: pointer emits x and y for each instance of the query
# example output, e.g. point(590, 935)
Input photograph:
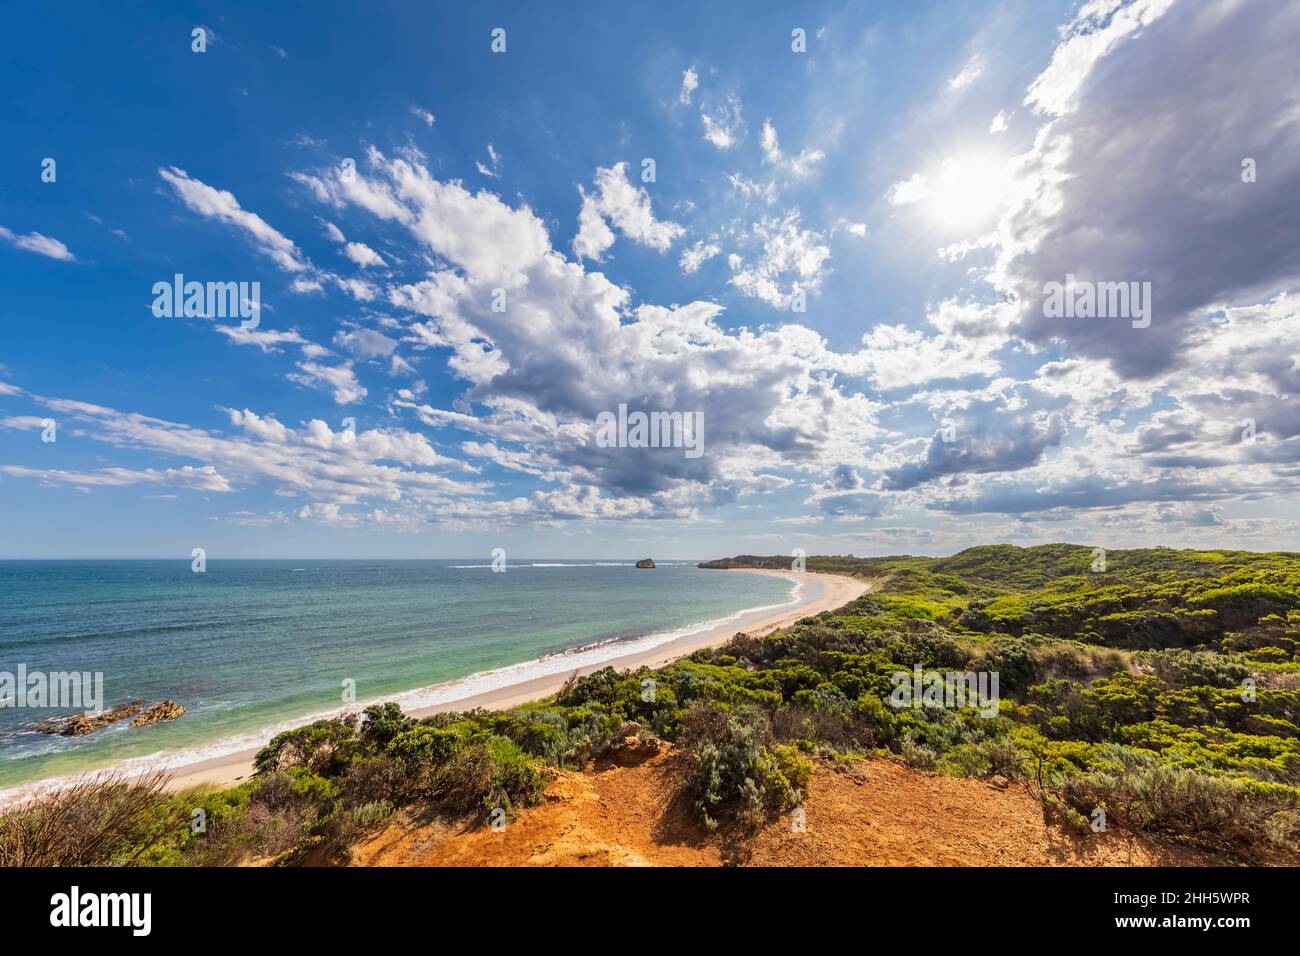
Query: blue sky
point(916, 176)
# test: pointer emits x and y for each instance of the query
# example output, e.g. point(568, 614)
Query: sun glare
point(967, 191)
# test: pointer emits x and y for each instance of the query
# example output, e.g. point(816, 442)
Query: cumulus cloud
point(341, 379)
point(982, 438)
point(617, 204)
point(697, 255)
point(792, 258)
point(365, 343)
point(898, 357)
point(1137, 174)
point(572, 345)
point(846, 494)
point(362, 254)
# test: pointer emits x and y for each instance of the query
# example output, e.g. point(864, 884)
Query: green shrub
point(995, 756)
point(796, 770)
point(382, 722)
point(483, 777)
point(1225, 815)
point(732, 776)
point(325, 747)
point(423, 744)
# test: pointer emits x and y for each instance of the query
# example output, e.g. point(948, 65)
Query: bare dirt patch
point(867, 813)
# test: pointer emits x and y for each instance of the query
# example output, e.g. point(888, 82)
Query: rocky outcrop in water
point(645, 563)
point(167, 710)
point(78, 725)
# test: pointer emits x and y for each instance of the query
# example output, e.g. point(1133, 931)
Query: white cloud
point(722, 126)
point(492, 171)
point(697, 255)
point(304, 285)
point(424, 115)
point(359, 289)
point(1000, 123)
point(690, 82)
point(626, 208)
point(37, 243)
point(340, 378)
point(914, 189)
point(800, 166)
point(1097, 30)
point(365, 343)
point(221, 205)
point(197, 479)
point(328, 468)
point(899, 357)
point(265, 339)
point(791, 258)
point(749, 189)
point(967, 75)
point(362, 254)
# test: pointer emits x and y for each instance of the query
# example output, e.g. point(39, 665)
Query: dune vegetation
point(1162, 691)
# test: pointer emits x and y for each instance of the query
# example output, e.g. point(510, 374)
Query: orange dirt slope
point(869, 813)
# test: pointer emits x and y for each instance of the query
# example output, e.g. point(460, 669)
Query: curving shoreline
point(818, 592)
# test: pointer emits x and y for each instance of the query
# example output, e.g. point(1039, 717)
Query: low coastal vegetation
point(1159, 695)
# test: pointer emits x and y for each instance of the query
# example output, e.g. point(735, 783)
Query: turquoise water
point(251, 645)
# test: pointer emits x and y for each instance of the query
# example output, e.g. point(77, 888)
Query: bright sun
point(967, 191)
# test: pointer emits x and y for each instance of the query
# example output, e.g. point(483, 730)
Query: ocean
point(251, 647)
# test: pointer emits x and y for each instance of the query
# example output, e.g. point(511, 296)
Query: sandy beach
point(820, 592)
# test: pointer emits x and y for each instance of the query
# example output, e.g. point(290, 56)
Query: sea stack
point(645, 563)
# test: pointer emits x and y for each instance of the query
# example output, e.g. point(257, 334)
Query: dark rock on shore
point(645, 563)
